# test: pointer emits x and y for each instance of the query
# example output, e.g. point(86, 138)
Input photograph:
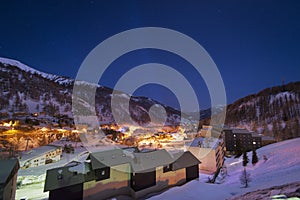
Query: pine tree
point(245, 159)
point(245, 178)
point(254, 157)
point(238, 149)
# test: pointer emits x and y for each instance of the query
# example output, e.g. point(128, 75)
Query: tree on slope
point(245, 159)
point(245, 178)
point(254, 157)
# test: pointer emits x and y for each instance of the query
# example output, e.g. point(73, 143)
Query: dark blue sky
point(255, 44)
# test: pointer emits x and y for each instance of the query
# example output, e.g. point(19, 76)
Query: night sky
point(255, 44)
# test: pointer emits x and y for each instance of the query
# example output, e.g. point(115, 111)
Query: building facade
point(239, 140)
point(210, 151)
point(40, 156)
point(119, 172)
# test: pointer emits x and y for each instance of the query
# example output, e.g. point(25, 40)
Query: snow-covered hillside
point(24, 91)
point(55, 78)
point(274, 111)
point(282, 167)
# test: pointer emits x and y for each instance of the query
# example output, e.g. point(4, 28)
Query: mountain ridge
point(273, 111)
point(21, 92)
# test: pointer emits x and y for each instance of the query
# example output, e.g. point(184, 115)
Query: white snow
point(55, 78)
point(282, 167)
point(281, 95)
point(33, 178)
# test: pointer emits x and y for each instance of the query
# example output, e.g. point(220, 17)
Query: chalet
point(210, 151)
point(40, 156)
point(8, 178)
point(118, 172)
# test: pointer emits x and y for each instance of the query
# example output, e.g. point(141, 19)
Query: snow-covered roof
point(206, 142)
point(68, 174)
point(183, 160)
point(240, 130)
point(254, 134)
point(139, 161)
point(7, 168)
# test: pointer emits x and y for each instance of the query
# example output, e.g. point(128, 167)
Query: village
point(169, 156)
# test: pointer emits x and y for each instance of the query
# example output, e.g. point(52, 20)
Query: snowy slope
point(55, 78)
point(282, 167)
point(274, 111)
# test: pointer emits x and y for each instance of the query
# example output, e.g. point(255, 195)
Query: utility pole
point(27, 143)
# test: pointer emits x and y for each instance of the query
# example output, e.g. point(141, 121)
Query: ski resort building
point(121, 172)
point(210, 151)
point(40, 156)
point(241, 140)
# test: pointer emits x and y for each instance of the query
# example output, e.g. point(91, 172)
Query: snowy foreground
point(282, 167)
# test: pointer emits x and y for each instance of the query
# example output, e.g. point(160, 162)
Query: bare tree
point(245, 178)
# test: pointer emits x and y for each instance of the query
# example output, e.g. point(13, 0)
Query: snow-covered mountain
point(24, 90)
point(273, 111)
point(58, 79)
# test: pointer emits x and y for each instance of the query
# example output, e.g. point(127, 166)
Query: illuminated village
point(42, 147)
point(20, 137)
point(45, 155)
point(156, 100)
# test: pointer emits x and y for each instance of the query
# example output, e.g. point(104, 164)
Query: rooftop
point(139, 161)
point(183, 160)
point(240, 130)
point(268, 138)
point(7, 167)
point(206, 142)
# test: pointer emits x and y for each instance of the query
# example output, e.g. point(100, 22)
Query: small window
point(167, 168)
point(102, 174)
point(59, 177)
